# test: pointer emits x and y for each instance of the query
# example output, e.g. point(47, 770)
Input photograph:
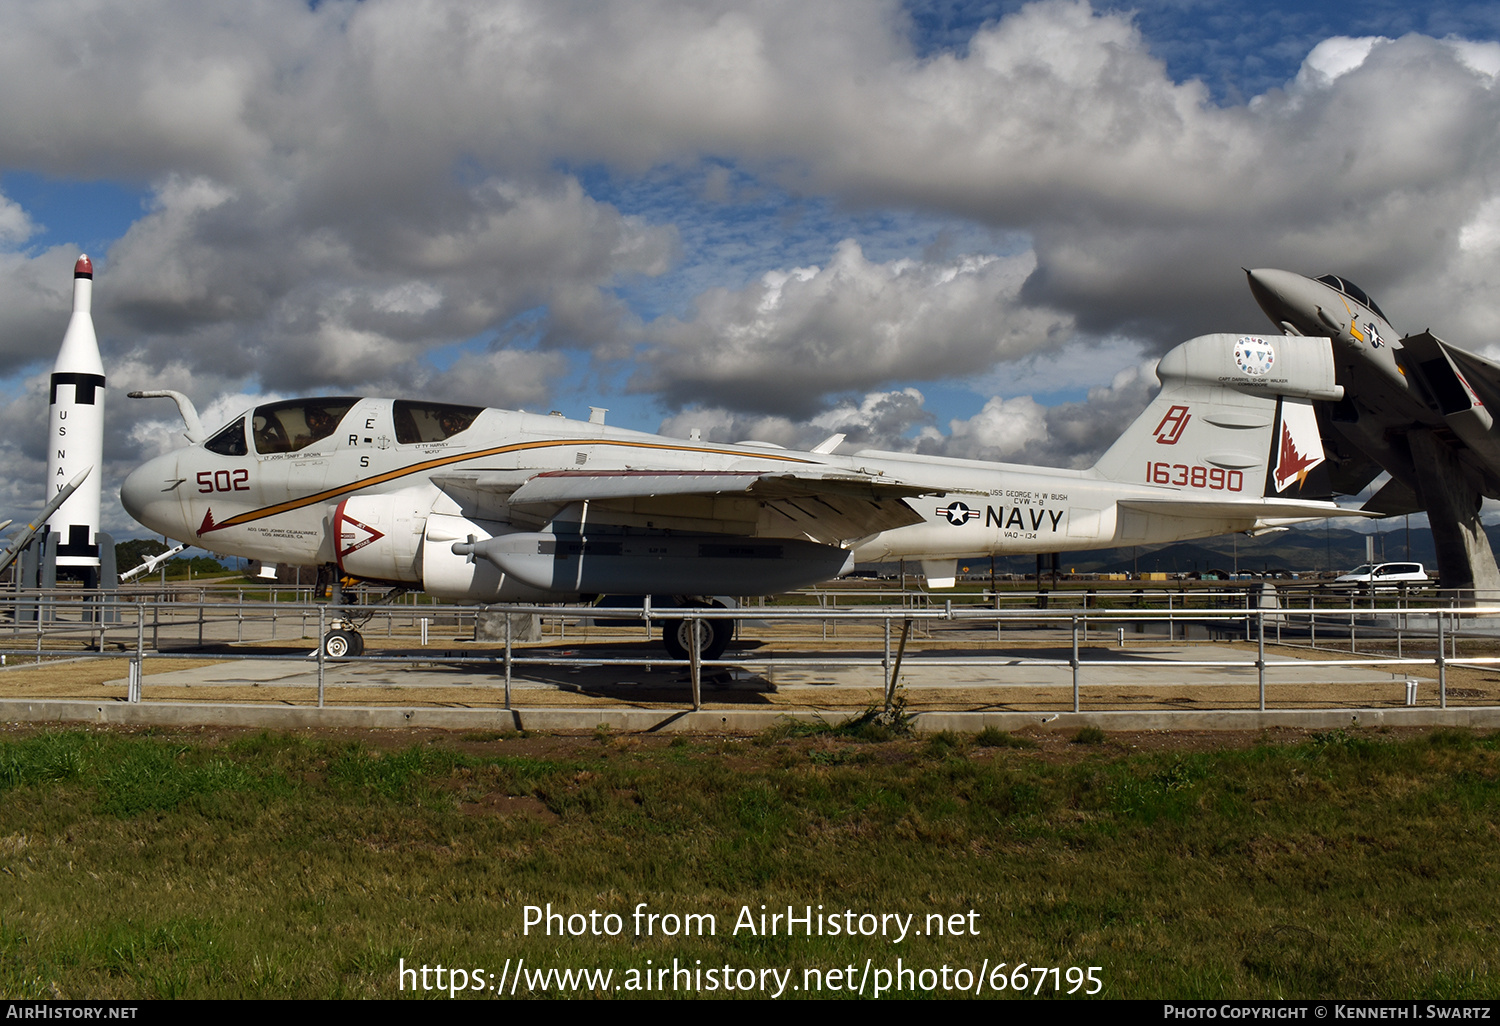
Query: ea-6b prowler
point(484, 505)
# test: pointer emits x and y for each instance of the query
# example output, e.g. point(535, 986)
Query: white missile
point(75, 429)
point(12, 547)
point(151, 563)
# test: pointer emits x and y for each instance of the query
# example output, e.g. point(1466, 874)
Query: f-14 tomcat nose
point(149, 495)
point(1273, 288)
point(1288, 298)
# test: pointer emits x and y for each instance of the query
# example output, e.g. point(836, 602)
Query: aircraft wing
point(826, 505)
point(1481, 375)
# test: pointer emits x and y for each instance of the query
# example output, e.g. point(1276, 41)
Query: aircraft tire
point(341, 644)
point(676, 636)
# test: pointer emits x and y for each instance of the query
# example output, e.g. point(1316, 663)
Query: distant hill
point(1297, 550)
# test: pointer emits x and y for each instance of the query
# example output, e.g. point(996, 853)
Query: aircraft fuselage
point(392, 510)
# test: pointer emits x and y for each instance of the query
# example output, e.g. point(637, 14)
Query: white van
point(1385, 575)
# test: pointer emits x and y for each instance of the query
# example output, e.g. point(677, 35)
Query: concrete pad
point(717, 721)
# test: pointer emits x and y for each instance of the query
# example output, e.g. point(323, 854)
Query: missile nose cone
point(83, 285)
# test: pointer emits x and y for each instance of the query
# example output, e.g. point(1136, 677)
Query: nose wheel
point(342, 643)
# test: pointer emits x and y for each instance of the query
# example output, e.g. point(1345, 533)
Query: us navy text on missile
point(75, 428)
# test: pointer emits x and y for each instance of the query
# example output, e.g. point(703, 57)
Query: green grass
point(994, 737)
point(155, 864)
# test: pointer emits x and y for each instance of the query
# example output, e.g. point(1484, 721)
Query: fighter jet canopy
point(1351, 290)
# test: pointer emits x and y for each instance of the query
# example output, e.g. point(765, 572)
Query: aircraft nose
point(1283, 295)
point(1270, 285)
point(149, 494)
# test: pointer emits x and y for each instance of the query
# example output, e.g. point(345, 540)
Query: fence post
point(895, 675)
point(1260, 656)
point(322, 612)
point(1074, 661)
point(507, 662)
point(694, 665)
point(885, 664)
point(1442, 664)
point(138, 664)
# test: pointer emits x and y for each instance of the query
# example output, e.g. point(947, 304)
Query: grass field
point(214, 864)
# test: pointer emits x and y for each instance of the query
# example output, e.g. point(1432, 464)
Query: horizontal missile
point(151, 563)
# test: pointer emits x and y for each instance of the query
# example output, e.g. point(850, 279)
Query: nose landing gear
point(343, 641)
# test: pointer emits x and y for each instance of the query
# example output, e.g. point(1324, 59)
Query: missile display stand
point(39, 573)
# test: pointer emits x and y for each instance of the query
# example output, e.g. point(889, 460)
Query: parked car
point(1383, 575)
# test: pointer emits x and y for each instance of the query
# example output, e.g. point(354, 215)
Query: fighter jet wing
point(1481, 375)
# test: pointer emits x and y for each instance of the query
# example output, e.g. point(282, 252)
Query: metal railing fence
point(192, 622)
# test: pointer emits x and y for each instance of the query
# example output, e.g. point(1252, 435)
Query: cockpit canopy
point(295, 424)
point(431, 422)
point(1353, 291)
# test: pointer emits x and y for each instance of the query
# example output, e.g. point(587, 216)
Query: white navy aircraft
point(485, 505)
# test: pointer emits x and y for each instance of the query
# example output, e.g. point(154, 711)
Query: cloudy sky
point(956, 227)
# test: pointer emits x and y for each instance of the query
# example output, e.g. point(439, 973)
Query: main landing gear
point(713, 637)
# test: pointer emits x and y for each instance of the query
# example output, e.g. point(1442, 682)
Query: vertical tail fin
point(1234, 419)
